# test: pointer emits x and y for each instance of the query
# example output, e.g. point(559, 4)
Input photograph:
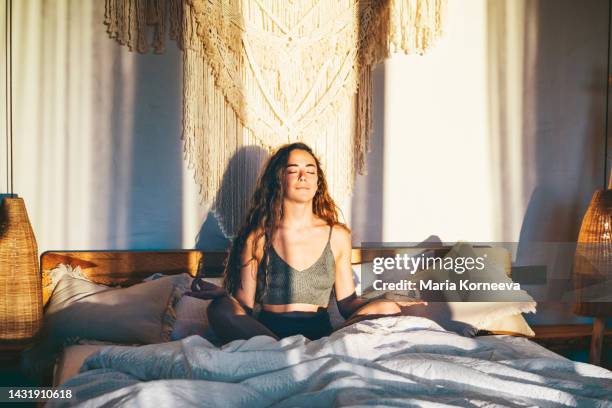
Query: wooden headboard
point(126, 268)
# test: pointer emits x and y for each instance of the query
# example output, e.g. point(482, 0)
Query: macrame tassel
point(364, 119)
point(131, 22)
point(414, 25)
point(176, 21)
point(156, 17)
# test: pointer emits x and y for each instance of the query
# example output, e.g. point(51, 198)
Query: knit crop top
point(312, 285)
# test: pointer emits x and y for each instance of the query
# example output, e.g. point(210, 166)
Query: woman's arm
point(245, 294)
point(231, 316)
point(346, 297)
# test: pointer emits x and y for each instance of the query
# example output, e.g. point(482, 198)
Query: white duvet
point(394, 361)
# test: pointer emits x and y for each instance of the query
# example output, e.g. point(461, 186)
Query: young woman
point(287, 257)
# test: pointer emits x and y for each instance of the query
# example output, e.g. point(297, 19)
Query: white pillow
point(52, 278)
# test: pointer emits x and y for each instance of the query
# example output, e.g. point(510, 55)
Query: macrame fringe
point(414, 26)
point(261, 73)
point(133, 22)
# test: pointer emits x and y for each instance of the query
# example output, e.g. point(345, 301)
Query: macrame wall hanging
point(261, 73)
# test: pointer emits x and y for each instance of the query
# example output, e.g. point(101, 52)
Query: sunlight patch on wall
point(437, 177)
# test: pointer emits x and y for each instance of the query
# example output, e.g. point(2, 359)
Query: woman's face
point(300, 177)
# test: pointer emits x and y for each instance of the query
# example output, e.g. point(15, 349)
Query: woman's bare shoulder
point(341, 229)
point(341, 235)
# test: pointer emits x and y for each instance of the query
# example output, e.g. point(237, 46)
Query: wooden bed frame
point(129, 267)
point(126, 268)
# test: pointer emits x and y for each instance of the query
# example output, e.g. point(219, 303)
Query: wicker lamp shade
point(20, 282)
point(593, 260)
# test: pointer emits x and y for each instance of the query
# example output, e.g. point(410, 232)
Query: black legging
point(312, 325)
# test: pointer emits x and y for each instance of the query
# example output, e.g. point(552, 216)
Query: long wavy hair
point(266, 213)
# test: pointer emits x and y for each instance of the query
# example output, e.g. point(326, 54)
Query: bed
point(394, 361)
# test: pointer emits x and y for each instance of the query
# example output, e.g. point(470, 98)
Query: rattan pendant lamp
point(20, 283)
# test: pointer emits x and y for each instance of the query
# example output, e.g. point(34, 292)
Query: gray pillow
point(142, 313)
point(79, 309)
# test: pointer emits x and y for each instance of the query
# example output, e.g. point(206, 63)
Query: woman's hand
point(406, 307)
point(205, 290)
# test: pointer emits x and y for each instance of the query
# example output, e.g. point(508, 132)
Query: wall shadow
point(221, 222)
point(367, 202)
point(562, 132)
point(145, 198)
point(156, 194)
point(570, 157)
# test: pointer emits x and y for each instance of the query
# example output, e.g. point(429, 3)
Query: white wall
point(436, 161)
point(98, 155)
point(496, 134)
